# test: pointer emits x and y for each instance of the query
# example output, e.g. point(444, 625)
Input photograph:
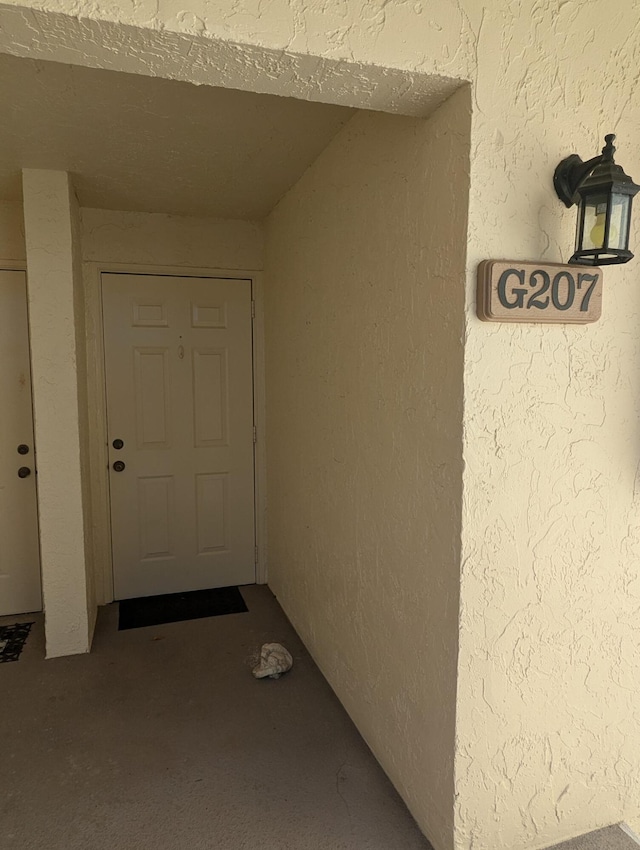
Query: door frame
point(97, 400)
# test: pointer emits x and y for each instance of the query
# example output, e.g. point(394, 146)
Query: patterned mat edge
point(12, 641)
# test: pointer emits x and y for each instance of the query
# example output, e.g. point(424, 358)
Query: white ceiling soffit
point(135, 142)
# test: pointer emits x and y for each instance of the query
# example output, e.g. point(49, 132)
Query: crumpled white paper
point(274, 661)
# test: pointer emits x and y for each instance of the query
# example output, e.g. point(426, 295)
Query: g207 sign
point(509, 291)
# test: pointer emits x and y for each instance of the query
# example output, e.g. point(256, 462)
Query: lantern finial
point(608, 150)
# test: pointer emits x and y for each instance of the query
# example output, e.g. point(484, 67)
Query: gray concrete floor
point(161, 739)
point(611, 838)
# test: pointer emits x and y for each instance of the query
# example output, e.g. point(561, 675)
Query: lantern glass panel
point(595, 217)
point(620, 210)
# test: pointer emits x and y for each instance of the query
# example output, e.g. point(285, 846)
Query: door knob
point(23, 449)
point(24, 472)
point(118, 466)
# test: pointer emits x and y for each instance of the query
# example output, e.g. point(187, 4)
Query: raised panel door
point(179, 370)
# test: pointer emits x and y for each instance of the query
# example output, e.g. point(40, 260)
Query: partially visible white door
point(20, 590)
point(178, 354)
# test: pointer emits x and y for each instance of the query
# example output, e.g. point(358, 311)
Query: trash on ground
point(274, 661)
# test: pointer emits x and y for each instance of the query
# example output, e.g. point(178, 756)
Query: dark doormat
point(12, 641)
point(173, 607)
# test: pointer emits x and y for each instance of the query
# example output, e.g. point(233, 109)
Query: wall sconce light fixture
point(604, 194)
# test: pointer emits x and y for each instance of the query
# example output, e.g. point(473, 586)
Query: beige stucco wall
point(549, 703)
point(364, 295)
point(113, 236)
point(398, 58)
point(117, 239)
point(547, 720)
point(55, 327)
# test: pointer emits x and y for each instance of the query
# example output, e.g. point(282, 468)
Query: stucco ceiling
point(142, 143)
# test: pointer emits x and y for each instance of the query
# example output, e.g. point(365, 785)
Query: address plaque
point(511, 291)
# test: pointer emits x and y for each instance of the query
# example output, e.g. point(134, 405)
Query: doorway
point(179, 394)
point(20, 583)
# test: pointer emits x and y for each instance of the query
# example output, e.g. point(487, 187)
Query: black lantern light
point(604, 194)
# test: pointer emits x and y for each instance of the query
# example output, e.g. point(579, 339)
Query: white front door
point(20, 590)
point(178, 353)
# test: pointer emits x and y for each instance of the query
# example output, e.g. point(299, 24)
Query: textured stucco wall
point(11, 232)
point(170, 240)
point(547, 721)
point(143, 239)
point(52, 265)
point(548, 707)
point(333, 52)
point(364, 289)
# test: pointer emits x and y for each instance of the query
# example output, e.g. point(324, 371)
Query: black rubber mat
point(12, 641)
point(174, 607)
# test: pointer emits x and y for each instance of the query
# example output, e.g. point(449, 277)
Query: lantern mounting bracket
point(568, 176)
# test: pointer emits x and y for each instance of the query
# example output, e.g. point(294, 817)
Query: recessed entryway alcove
point(350, 223)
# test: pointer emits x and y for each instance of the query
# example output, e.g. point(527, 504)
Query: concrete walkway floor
point(161, 739)
point(611, 838)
